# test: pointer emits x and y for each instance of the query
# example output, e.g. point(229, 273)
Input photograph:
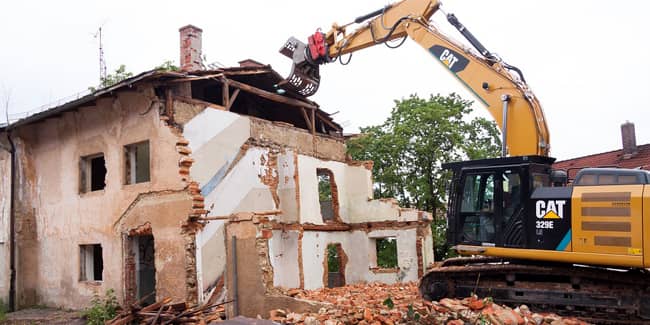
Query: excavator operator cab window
point(491, 206)
point(478, 208)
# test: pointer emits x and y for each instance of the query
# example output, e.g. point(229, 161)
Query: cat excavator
point(526, 235)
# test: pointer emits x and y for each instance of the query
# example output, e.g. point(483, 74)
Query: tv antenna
point(102, 61)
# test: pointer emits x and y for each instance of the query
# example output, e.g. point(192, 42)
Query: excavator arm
point(499, 86)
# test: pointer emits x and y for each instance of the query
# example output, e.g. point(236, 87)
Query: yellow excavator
point(527, 235)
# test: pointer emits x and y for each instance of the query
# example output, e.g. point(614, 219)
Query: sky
point(587, 61)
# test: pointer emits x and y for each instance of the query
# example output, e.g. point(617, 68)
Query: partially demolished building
point(195, 185)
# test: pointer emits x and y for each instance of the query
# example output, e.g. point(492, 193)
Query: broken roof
point(256, 79)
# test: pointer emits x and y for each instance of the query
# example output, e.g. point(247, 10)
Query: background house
point(630, 155)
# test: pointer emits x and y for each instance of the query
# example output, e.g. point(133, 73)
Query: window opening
point(137, 166)
point(386, 252)
point(93, 173)
point(91, 262)
point(327, 195)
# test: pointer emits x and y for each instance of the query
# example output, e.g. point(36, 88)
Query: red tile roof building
point(631, 156)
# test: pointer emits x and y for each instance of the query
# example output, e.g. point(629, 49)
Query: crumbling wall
point(5, 197)
point(354, 186)
point(244, 165)
point(358, 246)
point(55, 218)
point(252, 283)
point(321, 146)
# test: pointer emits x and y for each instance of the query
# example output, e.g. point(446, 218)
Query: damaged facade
point(196, 185)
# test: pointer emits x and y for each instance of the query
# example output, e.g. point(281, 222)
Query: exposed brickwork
point(301, 268)
point(271, 177)
point(190, 48)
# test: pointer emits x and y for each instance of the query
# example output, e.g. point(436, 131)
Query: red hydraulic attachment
point(318, 47)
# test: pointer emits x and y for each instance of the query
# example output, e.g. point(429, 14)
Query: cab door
point(478, 211)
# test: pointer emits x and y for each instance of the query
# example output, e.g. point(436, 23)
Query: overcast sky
point(587, 61)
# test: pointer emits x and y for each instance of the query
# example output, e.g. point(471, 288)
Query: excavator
point(525, 233)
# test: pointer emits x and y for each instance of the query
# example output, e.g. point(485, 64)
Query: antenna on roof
point(102, 61)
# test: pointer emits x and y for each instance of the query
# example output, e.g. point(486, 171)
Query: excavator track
point(594, 294)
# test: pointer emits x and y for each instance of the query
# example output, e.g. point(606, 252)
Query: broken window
point(92, 173)
point(136, 158)
point(386, 252)
point(327, 196)
point(91, 262)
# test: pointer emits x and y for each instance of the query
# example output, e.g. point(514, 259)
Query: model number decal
point(544, 224)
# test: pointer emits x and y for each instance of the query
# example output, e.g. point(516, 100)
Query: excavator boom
point(497, 85)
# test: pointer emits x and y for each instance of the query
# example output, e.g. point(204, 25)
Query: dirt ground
point(37, 316)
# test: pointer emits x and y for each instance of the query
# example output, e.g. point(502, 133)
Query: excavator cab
point(488, 200)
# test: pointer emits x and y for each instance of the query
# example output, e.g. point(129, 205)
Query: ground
point(37, 316)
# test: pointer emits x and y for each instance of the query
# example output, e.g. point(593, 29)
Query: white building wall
point(359, 247)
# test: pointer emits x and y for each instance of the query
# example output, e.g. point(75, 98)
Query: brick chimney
point(629, 140)
point(190, 48)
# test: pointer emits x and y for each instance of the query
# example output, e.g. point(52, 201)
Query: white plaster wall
point(283, 252)
point(5, 199)
point(215, 138)
point(354, 185)
point(230, 181)
point(287, 187)
point(427, 252)
point(359, 248)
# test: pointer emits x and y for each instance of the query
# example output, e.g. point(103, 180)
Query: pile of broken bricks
point(379, 304)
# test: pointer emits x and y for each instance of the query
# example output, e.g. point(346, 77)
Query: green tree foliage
point(168, 66)
point(112, 78)
point(324, 187)
point(409, 148)
point(118, 75)
point(333, 258)
point(387, 252)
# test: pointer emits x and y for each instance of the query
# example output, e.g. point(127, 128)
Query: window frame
point(130, 163)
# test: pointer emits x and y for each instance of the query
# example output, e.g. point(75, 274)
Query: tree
point(112, 78)
point(168, 66)
point(408, 149)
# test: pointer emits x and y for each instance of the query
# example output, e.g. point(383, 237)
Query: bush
point(3, 310)
point(102, 309)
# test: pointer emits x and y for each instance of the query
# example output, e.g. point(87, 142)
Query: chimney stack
point(629, 140)
point(190, 48)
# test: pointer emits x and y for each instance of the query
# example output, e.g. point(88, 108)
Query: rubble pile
point(166, 312)
point(383, 304)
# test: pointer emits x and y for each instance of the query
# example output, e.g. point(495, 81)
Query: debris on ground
point(379, 304)
point(168, 312)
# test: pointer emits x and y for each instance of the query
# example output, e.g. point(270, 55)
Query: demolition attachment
point(304, 78)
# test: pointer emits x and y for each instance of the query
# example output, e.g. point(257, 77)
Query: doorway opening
point(141, 269)
point(335, 261)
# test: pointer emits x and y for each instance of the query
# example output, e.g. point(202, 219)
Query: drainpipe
point(12, 234)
